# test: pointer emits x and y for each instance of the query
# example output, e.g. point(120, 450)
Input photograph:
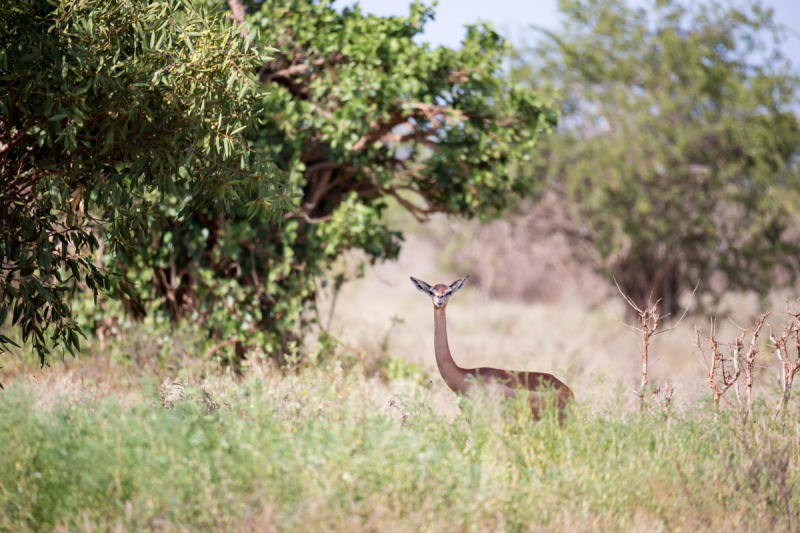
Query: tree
point(358, 114)
point(108, 108)
point(677, 155)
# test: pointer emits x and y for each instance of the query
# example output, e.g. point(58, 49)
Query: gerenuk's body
point(541, 389)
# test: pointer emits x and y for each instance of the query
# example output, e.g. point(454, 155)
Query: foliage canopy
point(677, 156)
point(107, 108)
point(359, 115)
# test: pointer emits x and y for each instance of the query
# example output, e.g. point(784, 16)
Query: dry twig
point(648, 323)
point(750, 364)
point(788, 367)
point(719, 376)
point(666, 403)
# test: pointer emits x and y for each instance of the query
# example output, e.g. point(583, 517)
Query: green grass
point(321, 450)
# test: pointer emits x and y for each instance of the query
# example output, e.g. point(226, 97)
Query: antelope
point(541, 389)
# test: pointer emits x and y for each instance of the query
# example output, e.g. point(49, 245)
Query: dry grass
point(323, 449)
point(572, 334)
point(138, 435)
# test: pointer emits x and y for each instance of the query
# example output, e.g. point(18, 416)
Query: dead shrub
point(789, 365)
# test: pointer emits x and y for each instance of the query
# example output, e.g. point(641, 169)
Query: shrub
point(359, 115)
point(112, 114)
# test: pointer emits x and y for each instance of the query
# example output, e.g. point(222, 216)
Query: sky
point(511, 18)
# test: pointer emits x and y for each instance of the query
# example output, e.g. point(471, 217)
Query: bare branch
point(666, 404)
point(627, 298)
point(683, 316)
point(649, 320)
point(788, 367)
point(696, 343)
point(720, 385)
point(632, 328)
point(750, 363)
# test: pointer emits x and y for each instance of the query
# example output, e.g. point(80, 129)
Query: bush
point(112, 114)
point(677, 158)
point(359, 115)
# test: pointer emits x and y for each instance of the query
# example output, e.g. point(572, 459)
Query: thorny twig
point(720, 384)
point(666, 404)
point(750, 364)
point(788, 367)
point(719, 375)
point(648, 323)
point(649, 320)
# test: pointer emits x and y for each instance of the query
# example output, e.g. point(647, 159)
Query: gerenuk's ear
point(422, 286)
point(458, 285)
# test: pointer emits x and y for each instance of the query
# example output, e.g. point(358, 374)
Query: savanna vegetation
point(304, 150)
point(676, 160)
point(323, 449)
point(112, 112)
point(193, 192)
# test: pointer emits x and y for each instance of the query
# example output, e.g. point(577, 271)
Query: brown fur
point(542, 389)
point(548, 389)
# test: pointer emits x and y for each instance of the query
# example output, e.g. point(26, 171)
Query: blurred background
point(211, 210)
point(537, 298)
point(560, 153)
point(513, 18)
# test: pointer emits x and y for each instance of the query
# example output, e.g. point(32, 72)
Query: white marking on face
point(440, 294)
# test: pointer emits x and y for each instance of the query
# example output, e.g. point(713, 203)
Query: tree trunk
point(646, 284)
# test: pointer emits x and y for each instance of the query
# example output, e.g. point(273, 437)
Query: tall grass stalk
point(319, 450)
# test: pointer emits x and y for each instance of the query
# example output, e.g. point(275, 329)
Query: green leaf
point(109, 142)
point(102, 82)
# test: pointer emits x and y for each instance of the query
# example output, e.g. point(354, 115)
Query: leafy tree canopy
point(359, 114)
point(677, 156)
point(107, 108)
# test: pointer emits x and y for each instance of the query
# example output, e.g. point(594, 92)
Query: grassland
point(324, 449)
point(139, 435)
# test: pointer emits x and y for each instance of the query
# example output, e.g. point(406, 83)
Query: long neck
point(453, 375)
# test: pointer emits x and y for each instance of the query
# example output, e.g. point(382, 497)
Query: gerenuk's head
point(440, 293)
